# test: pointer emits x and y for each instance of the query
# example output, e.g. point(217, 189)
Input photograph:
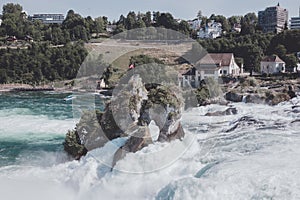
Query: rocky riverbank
point(272, 91)
point(135, 105)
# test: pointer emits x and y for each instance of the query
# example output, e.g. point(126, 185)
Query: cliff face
point(129, 113)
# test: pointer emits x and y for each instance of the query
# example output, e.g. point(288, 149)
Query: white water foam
point(20, 123)
point(246, 163)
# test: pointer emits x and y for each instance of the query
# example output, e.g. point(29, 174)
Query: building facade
point(272, 65)
point(212, 65)
point(212, 30)
point(195, 24)
point(295, 22)
point(48, 18)
point(273, 19)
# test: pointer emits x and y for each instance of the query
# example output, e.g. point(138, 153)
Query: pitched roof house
point(211, 65)
point(272, 65)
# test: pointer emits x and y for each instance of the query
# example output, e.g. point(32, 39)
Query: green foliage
point(202, 94)
point(143, 59)
point(41, 62)
point(73, 28)
point(290, 39)
point(141, 20)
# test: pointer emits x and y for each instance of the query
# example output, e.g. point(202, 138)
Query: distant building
point(48, 18)
point(212, 65)
point(11, 39)
point(212, 30)
point(272, 65)
point(273, 19)
point(28, 38)
point(237, 28)
point(295, 22)
point(195, 24)
point(111, 28)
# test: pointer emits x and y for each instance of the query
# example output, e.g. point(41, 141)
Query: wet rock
point(255, 98)
point(228, 111)
point(291, 92)
point(234, 97)
point(277, 97)
point(138, 140)
point(72, 145)
point(245, 121)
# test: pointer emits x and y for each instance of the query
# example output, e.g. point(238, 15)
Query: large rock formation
point(129, 113)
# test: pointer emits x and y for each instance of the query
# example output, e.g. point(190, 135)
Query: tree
point(234, 20)
point(291, 62)
point(130, 22)
point(167, 20)
point(221, 19)
point(199, 14)
point(280, 50)
point(147, 19)
point(184, 27)
point(99, 26)
point(13, 20)
point(248, 23)
point(3, 76)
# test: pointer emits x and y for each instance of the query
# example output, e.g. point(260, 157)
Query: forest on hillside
point(57, 50)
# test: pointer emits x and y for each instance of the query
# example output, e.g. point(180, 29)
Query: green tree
point(248, 23)
point(3, 76)
point(167, 20)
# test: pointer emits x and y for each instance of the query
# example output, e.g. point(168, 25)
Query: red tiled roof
point(272, 59)
point(218, 59)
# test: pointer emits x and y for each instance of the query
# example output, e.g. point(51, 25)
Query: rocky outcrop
point(233, 96)
point(73, 146)
point(129, 113)
point(251, 90)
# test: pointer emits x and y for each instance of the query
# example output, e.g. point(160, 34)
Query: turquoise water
point(33, 126)
point(28, 121)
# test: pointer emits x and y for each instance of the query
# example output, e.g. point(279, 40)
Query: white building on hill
point(212, 65)
point(212, 30)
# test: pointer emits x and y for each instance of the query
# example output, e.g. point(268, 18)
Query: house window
point(220, 71)
point(224, 71)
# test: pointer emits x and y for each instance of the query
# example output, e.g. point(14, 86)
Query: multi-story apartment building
point(295, 22)
point(273, 19)
point(48, 18)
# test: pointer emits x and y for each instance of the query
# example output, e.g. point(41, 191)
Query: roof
point(218, 59)
point(273, 58)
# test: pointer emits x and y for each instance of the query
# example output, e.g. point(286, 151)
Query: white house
point(212, 65)
point(212, 30)
point(195, 24)
point(272, 65)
